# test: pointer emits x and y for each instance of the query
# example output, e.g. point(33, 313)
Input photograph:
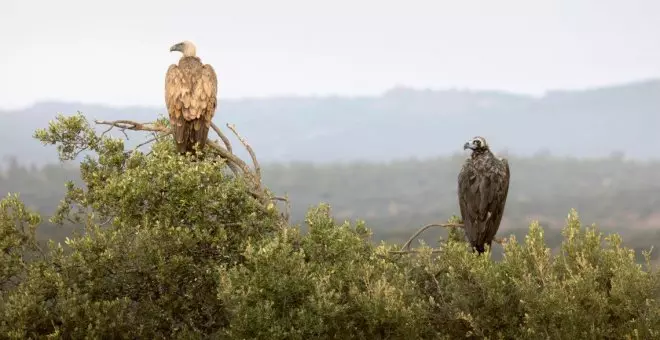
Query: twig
point(257, 167)
point(231, 158)
point(405, 249)
point(131, 125)
point(222, 136)
point(106, 131)
point(107, 221)
point(151, 140)
point(433, 251)
point(81, 150)
point(406, 246)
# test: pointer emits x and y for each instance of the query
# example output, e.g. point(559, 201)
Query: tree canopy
point(179, 248)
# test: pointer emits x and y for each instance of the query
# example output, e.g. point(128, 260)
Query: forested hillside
point(398, 197)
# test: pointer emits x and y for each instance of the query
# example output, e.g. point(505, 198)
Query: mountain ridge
point(401, 123)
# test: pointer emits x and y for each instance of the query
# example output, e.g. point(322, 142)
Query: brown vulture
point(483, 185)
point(191, 98)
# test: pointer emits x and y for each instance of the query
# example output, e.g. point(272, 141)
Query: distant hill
point(402, 123)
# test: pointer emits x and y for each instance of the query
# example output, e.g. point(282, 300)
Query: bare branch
point(222, 136)
point(433, 251)
point(406, 246)
point(131, 125)
point(232, 160)
point(405, 249)
point(106, 131)
point(257, 167)
point(81, 150)
point(124, 132)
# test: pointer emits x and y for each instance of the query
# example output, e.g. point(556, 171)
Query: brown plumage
point(191, 98)
point(483, 185)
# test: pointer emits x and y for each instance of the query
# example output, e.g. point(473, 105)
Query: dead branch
point(106, 131)
point(131, 125)
point(233, 162)
point(222, 136)
point(406, 246)
point(405, 249)
point(257, 167)
point(433, 251)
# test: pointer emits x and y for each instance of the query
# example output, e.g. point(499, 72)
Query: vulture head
point(186, 47)
point(477, 144)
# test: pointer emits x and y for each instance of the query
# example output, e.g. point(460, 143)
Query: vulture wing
point(499, 192)
point(469, 199)
point(191, 99)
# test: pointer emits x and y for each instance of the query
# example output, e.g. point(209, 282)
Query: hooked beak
point(467, 145)
point(176, 47)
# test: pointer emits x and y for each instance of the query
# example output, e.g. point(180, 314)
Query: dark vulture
point(191, 97)
point(483, 185)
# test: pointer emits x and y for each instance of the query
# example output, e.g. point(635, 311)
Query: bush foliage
point(180, 249)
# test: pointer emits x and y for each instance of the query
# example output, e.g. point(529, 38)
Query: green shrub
point(588, 291)
point(329, 283)
point(174, 249)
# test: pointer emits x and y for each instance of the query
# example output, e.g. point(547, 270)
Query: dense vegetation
point(174, 250)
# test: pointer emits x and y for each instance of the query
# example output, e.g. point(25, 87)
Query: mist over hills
point(401, 123)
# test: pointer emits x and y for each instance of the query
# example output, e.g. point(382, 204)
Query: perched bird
point(483, 185)
point(191, 98)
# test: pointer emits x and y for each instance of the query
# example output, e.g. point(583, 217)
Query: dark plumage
point(483, 185)
point(191, 98)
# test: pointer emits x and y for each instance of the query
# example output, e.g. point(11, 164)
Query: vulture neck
point(481, 153)
point(189, 59)
point(189, 50)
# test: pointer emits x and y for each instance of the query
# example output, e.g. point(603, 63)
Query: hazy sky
point(117, 52)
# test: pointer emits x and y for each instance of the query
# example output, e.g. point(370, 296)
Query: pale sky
point(117, 52)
